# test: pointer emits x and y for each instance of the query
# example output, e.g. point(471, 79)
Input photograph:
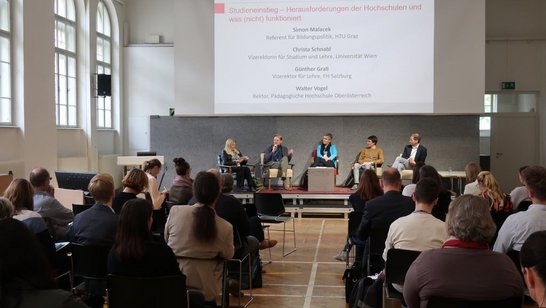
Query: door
point(514, 143)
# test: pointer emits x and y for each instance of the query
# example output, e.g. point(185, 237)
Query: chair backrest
point(262, 158)
point(269, 204)
point(143, 292)
point(89, 262)
point(514, 256)
point(78, 208)
point(524, 205)
point(354, 221)
point(398, 263)
point(440, 302)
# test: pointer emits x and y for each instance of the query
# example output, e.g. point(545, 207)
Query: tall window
point(5, 63)
point(66, 105)
point(104, 64)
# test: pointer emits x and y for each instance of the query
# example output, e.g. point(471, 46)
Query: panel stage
point(299, 201)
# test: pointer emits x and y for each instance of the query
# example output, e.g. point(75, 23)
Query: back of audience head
point(487, 180)
point(471, 171)
point(391, 177)
point(369, 186)
point(533, 263)
point(427, 171)
point(134, 223)
point(416, 175)
point(426, 191)
point(21, 258)
point(534, 178)
point(181, 166)
point(39, 177)
point(150, 164)
point(101, 187)
point(135, 179)
point(6, 208)
point(206, 189)
point(228, 183)
point(21, 194)
point(469, 220)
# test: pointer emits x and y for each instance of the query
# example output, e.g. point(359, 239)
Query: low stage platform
point(299, 201)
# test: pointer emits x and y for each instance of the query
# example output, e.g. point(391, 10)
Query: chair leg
point(284, 238)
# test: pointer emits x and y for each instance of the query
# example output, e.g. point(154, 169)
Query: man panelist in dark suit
point(413, 152)
point(379, 213)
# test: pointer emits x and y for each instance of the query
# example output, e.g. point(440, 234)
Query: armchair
point(271, 173)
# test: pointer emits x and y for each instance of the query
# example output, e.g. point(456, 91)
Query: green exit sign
point(508, 85)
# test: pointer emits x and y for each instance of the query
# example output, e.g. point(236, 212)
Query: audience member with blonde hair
point(497, 199)
point(134, 182)
point(231, 156)
point(464, 268)
point(97, 225)
point(471, 171)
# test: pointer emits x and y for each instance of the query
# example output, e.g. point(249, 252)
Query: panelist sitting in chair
point(278, 156)
point(370, 157)
point(326, 153)
point(413, 153)
point(231, 156)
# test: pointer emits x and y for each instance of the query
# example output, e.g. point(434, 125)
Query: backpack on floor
point(351, 276)
point(359, 292)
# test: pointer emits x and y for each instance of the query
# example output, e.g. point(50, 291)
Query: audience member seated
point(368, 188)
point(231, 156)
point(412, 153)
point(152, 168)
point(519, 194)
point(20, 193)
point(134, 182)
point(135, 253)
point(278, 156)
point(380, 212)
point(533, 263)
point(370, 157)
point(6, 208)
point(444, 197)
point(497, 199)
point(410, 188)
point(471, 171)
point(326, 153)
point(419, 230)
point(97, 225)
point(520, 225)
point(56, 215)
point(464, 268)
point(26, 279)
point(200, 239)
point(182, 190)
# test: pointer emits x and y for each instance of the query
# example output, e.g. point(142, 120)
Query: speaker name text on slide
point(293, 57)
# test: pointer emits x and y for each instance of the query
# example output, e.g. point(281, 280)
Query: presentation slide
point(323, 57)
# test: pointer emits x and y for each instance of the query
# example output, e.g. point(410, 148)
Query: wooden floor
point(310, 276)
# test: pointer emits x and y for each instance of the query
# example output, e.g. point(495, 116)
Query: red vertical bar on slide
point(219, 8)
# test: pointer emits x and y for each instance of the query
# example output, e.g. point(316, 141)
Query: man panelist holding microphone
point(278, 156)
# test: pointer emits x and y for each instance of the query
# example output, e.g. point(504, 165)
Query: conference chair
point(90, 263)
point(270, 208)
point(238, 263)
point(354, 221)
point(78, 208)
point(524, 205)
point(440, 302)
point(272, 173)
point(144, 292)
point(396, 267)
